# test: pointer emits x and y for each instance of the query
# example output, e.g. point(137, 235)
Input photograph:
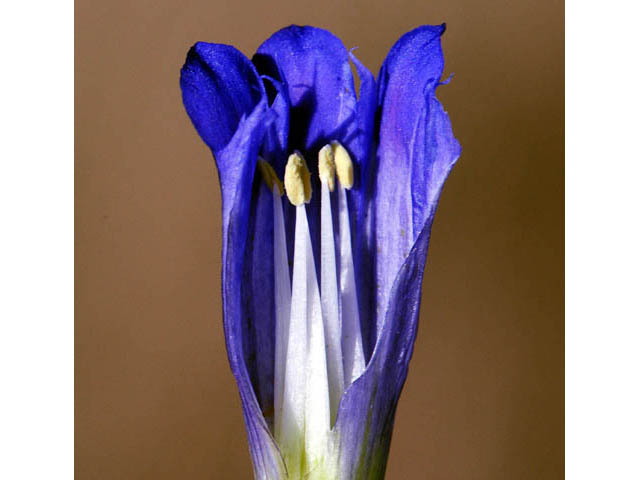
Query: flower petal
point(240, 156)
point(275, 148)
point(360, 203)
point(367, 411)
point(258, 297)
point(360, 145)
point(226, 101)
point(219, 86)
point(314, 65)
point(415, 154)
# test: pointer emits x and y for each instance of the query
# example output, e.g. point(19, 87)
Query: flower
point(320, 360)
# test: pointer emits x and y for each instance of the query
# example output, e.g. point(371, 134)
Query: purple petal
point(360, 145)
point(275, 150)
point(226, 101)
point(367, 410)
point(258, 285)
point(219, 86)
point(360, 203)
point(313, 65)
point(276, 144)
point(415, 153)
point(258, 297)
point(241, 152)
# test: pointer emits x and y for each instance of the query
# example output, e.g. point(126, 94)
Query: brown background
point(154, 395)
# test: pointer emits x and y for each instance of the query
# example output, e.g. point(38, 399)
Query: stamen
point(269, 176)
point(344, 165)
point(327, 167)
point(282, 289)
point(297, 180)
point(329, 282)
point(306, 411)
point(352, 350)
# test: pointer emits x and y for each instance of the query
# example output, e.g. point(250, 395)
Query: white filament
point(305, 412)
point(318, 351)
point(329, 297)
point(282, 306)
point(352, 351)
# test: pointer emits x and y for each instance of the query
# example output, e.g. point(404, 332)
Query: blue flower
point(321, 288)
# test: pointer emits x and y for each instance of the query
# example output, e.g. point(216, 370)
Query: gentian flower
point(321, 287)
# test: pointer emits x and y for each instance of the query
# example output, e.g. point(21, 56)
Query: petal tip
point(309, 37)
point(220, 87)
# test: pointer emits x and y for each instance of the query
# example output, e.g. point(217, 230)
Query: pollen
point(327, 167)
point(344, 165)
point(270, 176)
point(297, 180)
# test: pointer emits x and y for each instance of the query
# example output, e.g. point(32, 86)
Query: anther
point(269, 176)
point(297, 180)
point(344, 165)
point(327, 167)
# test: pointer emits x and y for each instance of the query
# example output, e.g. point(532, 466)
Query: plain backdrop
point(154, 396)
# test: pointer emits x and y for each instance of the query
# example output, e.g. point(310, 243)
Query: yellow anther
point(297, 180)
point(344, 165)
point(270, 176)
point(327, 167)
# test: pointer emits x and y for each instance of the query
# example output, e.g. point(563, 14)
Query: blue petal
point(415, 154)
point(360, 202)
point(360, 144)
point(258, 297)
point(367, 410)
point(275, 149)
point(219, 86)
point(241, 152)
point(227, 103)
point(258, 285)
point(276, 144)
point(313, 65)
